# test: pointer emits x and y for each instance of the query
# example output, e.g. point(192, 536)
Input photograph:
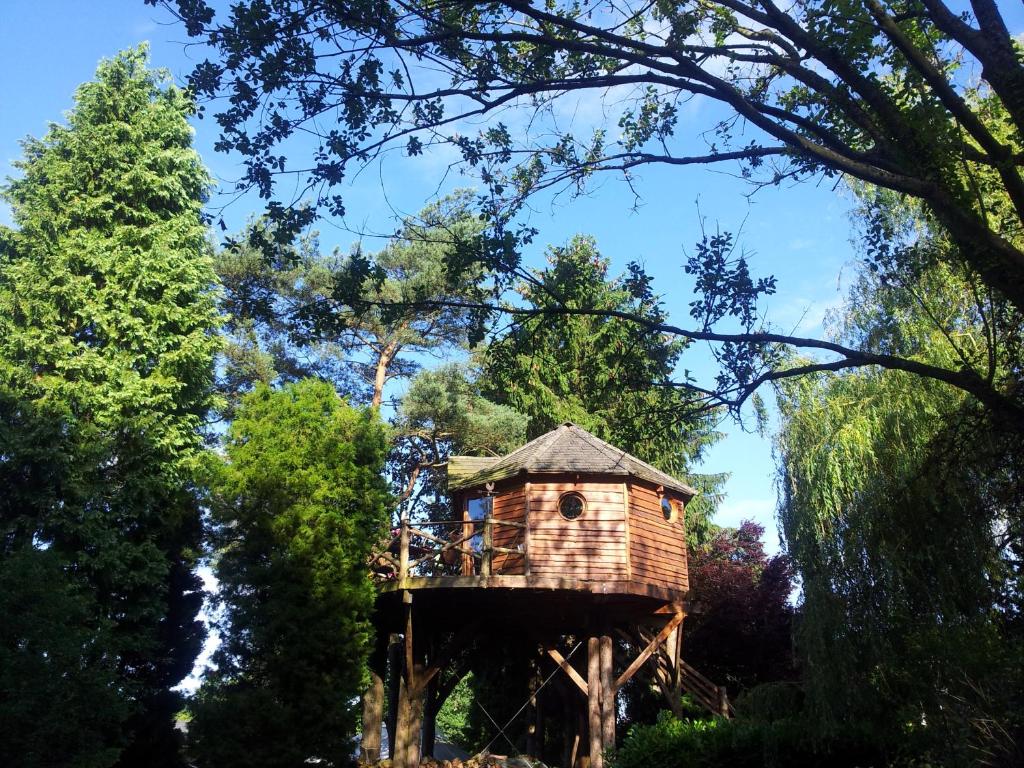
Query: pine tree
point(107, 336)
point(608, 375)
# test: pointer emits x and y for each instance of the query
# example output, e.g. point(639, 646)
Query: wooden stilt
point(373, 714)
point(394, 684)
point(430, 707)
point(594, 726)
point(410, 721)
point(532, 746)
point(607, 695)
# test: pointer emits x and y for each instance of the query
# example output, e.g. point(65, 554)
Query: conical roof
point(567, 449)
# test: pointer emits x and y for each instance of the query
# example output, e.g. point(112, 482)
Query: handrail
point(413, 550)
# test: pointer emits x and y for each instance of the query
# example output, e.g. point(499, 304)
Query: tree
point(107, 336)
point(444, 414)
point(900, 509)
point(864, 89)
point(742, 635)
point(358, 320)
point(407, 299)
point(299, 506)
point(802, 90)
point(610, 376)
point(262, 299)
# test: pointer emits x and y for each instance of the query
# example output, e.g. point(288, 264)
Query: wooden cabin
point(568, 541)
point(570, 507)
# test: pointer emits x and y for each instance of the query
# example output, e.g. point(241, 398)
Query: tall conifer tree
point(107, 319)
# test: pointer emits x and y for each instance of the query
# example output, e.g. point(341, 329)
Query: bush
point(672, 743)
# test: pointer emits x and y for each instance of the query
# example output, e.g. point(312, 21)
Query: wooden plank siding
point(509, 505)
point(657, 547)
point(622, 535)
point(589, 548)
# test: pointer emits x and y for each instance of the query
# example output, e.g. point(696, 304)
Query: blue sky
point(799, 233)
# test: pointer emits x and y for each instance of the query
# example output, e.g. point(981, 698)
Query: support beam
point(410, 722)
point(567, 668)
point(594, 702)
point(608, 691)
point(645, 654)
point(394, 683)
point(373, 715)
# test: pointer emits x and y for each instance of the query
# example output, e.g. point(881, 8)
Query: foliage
point(359, 320)
point(261, 298)
point(298, 507)
point(51, 650)
point(610, 376)
point(406, 299)
point(672, 743)
point(443, 414)
point(900, 509)
point(742, 635)
point(870, 89)
point(107, 319)
point(453, 719)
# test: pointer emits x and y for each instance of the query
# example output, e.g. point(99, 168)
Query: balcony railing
point(451, 548)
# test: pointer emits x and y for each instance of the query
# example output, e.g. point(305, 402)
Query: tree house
point(567, 540)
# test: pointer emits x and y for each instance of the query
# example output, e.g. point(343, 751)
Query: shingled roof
point(567, 449)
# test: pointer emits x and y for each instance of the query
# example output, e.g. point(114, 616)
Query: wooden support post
point(373, 705)
point(526, 530)
point(487, 550)
point(431, 705)
point(723, 701)
point(607, 695)
point(532, 745)
point(405, 752)
point(410, 722)
point(394, 684)
point(594, 726)
point(403, 550)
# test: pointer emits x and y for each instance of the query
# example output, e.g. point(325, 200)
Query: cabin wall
point(591, 547)
point(509, 505)
point(657, 547)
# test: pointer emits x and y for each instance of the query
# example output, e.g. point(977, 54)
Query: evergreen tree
point(107, 319)
point(300, 504)
point(611, 376)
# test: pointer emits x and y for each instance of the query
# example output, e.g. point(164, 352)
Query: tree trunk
point(380, 372)
point(406, 752)
point(373, 714)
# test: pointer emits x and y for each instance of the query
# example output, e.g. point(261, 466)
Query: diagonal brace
point(652, 646)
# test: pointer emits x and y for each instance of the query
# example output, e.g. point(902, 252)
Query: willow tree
point(107, 320)
point(901, 510)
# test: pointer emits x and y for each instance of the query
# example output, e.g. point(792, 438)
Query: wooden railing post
point(723, 701)
point(487, 551)
point(403, 551)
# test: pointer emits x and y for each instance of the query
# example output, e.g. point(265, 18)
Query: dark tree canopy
point(880, 90)
point(741, 637)
point(887, 93)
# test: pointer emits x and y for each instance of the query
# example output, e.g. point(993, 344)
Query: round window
point(571, 506)
point(666, 508)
